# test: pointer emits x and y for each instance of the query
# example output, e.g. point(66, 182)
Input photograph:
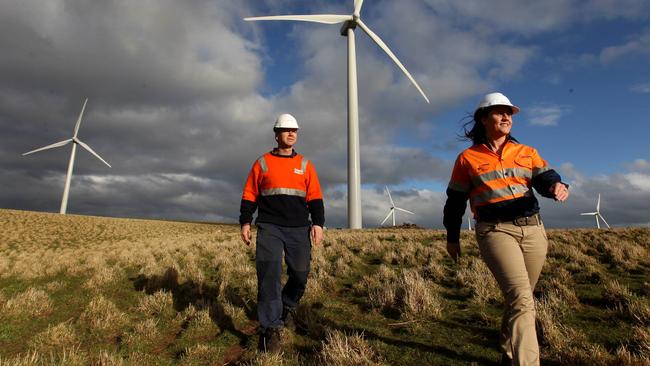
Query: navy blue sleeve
point(543, 182)
point(453, 214)
point(246, 211)
point(317, 212)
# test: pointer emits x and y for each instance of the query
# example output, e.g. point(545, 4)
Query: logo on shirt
point(298, 171)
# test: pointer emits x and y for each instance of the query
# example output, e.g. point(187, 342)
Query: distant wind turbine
point(75, 141)
point(393, 208)
point(596, 214)
point(350, 22)
point(469, 222)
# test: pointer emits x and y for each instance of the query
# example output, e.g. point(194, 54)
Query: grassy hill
point(77, 290)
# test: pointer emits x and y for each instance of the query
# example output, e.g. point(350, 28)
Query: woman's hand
point(559, 191)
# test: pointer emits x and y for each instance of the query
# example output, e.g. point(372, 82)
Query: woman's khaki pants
point(515, 256)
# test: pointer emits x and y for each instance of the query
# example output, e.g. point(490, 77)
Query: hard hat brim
point(514, 108)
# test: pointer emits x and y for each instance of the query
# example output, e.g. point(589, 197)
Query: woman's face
point(498, 122)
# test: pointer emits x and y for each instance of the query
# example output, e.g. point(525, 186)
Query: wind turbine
point(596, 214)
point(469, 221)
point(393, 208)
point(75, 141)
point(350, 22)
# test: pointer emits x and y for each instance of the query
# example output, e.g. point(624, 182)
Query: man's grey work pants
point(272, 241)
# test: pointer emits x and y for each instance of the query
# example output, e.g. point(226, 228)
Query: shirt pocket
point(525, 161)
point(482, 168)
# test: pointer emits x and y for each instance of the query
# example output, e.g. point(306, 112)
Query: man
point(283, 186)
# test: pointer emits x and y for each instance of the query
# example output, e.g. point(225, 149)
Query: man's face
point(286, 137)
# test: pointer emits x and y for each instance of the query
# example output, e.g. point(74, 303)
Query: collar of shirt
point(274, 152)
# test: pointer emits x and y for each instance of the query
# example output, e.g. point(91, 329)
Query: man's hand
point(559, 191)
point(454, 251)
point(246, 233)
point(316, 234)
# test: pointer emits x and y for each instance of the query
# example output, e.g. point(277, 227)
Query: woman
point(497, 175)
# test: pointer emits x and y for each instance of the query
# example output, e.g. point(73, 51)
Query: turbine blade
point(390, 53)
point(390, 198)
point(91, 151)
point(598, 204)
point(316, 18)
point(602, 218)
point(357, 7)
point(387, 216)
point(403, 210)
point(589, 213)
point(76, 127)
point(56, 144)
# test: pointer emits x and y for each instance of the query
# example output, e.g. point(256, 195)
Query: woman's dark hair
point(474, 130)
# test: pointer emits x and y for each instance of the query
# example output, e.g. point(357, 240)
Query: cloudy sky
point(183, 95)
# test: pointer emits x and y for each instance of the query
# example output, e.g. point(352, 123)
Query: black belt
point(532, 220)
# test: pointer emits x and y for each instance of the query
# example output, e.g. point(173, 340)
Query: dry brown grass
point(62, 357)
point(478, 280)
point(159, 304)
point(406, 292)
point(341, 349)
point(103, 319)
point(626, 358)
point(167, 292)
point(54, 338)
point(618, 296)
point(200, 354)
point(32, 302)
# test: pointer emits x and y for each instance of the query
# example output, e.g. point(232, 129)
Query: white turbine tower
point(350, 22)
point(596, 214)
point(75, 141)
point(393, 208)
point(469, 221)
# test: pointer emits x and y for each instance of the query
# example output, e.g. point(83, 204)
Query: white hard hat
point(493, 99)
point(285, 121)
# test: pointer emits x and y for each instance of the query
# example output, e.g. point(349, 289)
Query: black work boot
point(289, 318)
point(270, 340)
point(505, 360)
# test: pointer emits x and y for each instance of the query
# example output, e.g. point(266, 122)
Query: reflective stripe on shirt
point(502, 174)
point(516, 190)
point(286, 191)
point(263, 165)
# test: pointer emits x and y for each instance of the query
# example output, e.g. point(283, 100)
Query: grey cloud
point(624, 198)
point(638, 44)
point(639, 165)
point(175, 103)
point(129, 53)
point(545, 114)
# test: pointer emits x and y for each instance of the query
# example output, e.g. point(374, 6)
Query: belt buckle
point(525, 221)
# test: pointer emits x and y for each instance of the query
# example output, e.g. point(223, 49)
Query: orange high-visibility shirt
point(285, 190)
point(489, 178)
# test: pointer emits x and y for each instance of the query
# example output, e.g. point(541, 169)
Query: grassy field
point(78, 290)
